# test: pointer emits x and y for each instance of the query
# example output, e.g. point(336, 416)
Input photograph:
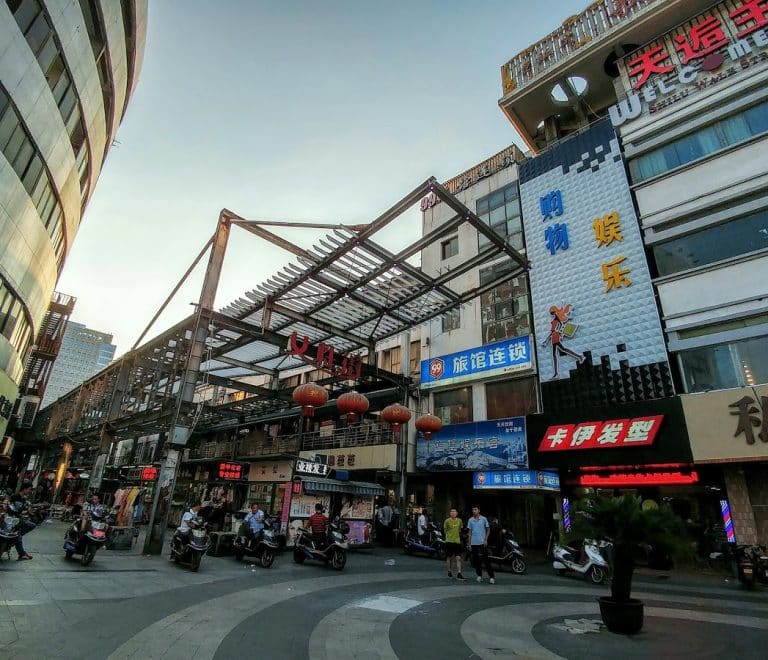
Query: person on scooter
point(318, 523)
point(88, 508)
point(25, 525)
point(182, 531)
point(255, 520)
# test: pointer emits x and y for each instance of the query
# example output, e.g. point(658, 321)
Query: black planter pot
point(624, 618)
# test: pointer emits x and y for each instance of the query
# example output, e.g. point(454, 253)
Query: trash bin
point(121, 538)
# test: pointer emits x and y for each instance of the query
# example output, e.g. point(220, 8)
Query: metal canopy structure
point(347, 291)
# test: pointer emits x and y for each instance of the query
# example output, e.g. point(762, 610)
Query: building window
point(735, 364)
point(723, 241)
point(452, 320)
point(703, 142)
point(415, 358)
point(505, 309)
point(454, 406)
point(449, 248)
point(391, 360)
point(511, 398)
point(501, 210)
point(14, 324)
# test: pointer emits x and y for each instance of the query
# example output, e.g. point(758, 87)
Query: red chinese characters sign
point(351, 366)
point(635, 432)
point(230, 471)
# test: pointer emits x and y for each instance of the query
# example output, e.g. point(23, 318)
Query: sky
point(323, 111)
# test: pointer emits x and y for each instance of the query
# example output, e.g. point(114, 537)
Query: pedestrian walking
point(478, 539)
point(452, 529)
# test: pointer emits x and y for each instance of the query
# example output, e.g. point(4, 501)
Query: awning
point(336, 486)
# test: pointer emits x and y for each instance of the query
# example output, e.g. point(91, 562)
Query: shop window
point(501, 210)
point(511, 398)
point(454, 406)
point(451, 320)
point(505, 309)
point(449, 248)
point(700, 143)
point(734, 364)
point(723, 241)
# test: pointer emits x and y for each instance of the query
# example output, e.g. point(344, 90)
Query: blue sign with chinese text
point(497, 444)
point(502, 357)
point(516, 479)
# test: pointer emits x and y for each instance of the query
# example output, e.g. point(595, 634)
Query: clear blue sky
point(326, 110)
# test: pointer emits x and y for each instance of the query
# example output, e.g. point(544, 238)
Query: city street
point(130, 606)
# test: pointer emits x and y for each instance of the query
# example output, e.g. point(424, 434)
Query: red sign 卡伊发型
point(634, 432)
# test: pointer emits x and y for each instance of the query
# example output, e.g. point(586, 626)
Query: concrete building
point(67, 71)
point(83, 352)
point(683, 83)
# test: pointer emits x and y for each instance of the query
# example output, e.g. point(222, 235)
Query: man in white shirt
point(183, 528)
point(255, 520)
point(421, 526)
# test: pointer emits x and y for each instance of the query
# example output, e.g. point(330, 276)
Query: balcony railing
point(361, 435)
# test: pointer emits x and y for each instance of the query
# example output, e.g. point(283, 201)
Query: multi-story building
point(683, 84)
point(67, 71)
point(83, 353)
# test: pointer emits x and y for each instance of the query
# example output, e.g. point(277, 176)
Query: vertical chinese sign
point(590, 284)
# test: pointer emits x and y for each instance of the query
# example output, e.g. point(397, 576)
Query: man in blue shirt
point(478, 540)
point(255, 520)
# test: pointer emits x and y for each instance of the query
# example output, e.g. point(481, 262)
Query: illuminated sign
point(636, 432)
point(718, 44)
point(149, 473)
point(351, 366)
point(502, 357)
point(141, 473)
point(590, 286)
point(312, 468)
point(516, 480)
point(231, 471)
point(638, 478)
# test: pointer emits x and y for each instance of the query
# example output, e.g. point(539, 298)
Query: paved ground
point(129, 606)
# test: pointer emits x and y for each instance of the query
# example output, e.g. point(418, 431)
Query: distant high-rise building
point(67, 72)
point(83, 352)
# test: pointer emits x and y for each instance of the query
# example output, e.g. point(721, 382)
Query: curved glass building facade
point(67, 71)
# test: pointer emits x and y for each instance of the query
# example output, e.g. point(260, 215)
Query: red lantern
point(310, 396)
point(396, 415)
point(429, 424)
point(352, 403)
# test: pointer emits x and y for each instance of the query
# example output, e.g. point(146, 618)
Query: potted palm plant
point(628, 524)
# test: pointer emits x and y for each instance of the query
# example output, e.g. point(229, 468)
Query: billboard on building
point(590, 287)
point(498, 444)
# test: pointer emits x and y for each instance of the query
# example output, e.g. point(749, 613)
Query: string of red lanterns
point(353, 404)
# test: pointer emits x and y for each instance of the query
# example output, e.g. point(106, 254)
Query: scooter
point(433, 545)
point(745, 566)
point(9, 527)
point(508, 553)
point(333, 551)
point(190, 550)
point(594, 566)
point(88, 543)
point(263, 546)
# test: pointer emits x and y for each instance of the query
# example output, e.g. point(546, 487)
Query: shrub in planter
point(627, 524)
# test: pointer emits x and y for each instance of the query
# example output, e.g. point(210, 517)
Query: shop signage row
point(516, 480)
point(712, 47)
point(634, 432)
point(506, 356)
point(311, 468)
point(622, 479)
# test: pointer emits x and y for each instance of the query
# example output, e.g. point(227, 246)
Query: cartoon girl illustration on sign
point(561, 327)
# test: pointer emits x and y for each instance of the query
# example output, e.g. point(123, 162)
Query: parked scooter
point(585, 560)
point(9, 527)
point(508, 553)
point(745, 566)
point(189, 549)
point(88, 543)
point(262, 546)
point(331, 550)
point(433, 545)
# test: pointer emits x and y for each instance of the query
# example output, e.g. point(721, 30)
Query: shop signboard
point(728, 425)
point(589, 280)
point(312, 468)
point(503, 357)
point(516, 480)
point(612, 433)
point(370, 457)
point(231, 471)
point(270, 471)
point(498, 444)
point(726, 40)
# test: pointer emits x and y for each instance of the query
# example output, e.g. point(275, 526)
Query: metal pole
point(405, 368)
point(184, 419)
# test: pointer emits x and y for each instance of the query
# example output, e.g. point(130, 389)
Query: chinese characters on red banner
point(633, 432)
